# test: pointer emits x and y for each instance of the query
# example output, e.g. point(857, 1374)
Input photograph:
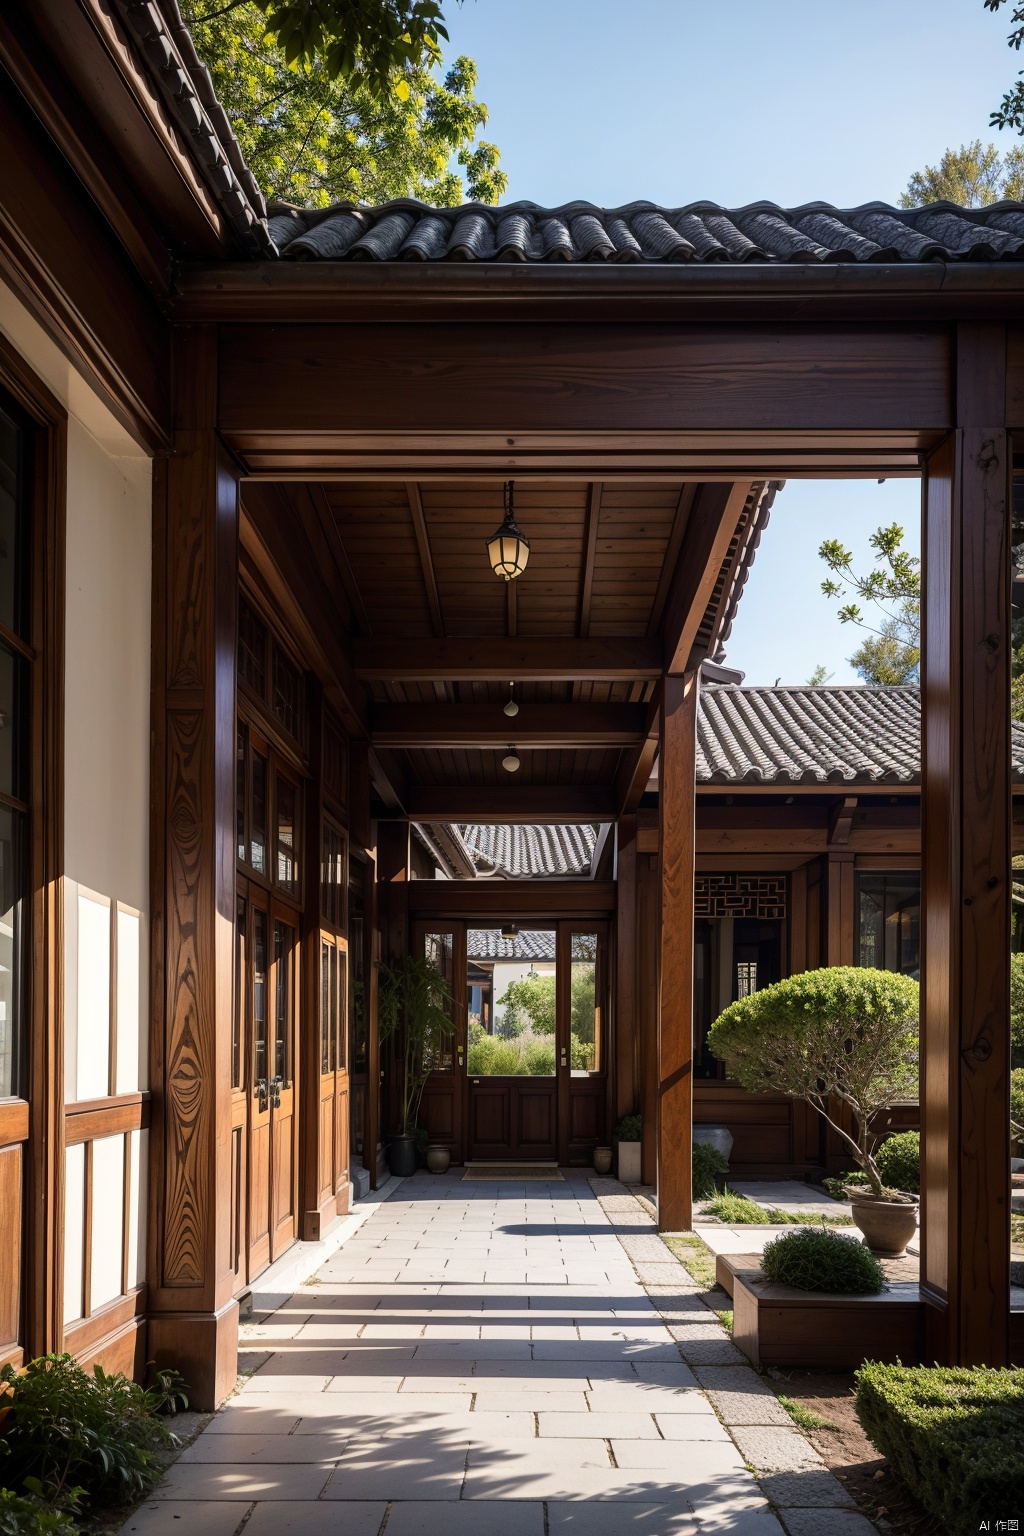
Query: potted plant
point(415, 1011)
point(846, 1035)
point(627, 1143)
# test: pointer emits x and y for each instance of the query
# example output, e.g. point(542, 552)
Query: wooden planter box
point(779, 1325)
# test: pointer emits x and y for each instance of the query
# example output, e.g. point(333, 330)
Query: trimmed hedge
point(818, 1260)
point(954, 1435)
point(899, 1162)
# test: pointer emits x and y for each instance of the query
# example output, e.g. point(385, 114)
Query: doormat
point(514, 1173)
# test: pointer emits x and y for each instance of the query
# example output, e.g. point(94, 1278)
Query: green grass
point(805, 1417)
point(740, 1211)
point(726, 1320)
point(1017, 1227)
point(695, 1254)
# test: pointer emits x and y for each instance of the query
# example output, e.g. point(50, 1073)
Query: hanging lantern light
point(508, 549)
point(510, 762)
point(511, 708)
point(510, 930)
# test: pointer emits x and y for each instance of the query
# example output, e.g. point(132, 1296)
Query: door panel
point(583, 1001)
point(284, 1185)
point(490, 1117)
point(258, 983)
point(441, 1108)
point(534, 1107)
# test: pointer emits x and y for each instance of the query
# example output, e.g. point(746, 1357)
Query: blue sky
point(738, 100)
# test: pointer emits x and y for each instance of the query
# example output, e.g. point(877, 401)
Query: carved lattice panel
point(762, 896)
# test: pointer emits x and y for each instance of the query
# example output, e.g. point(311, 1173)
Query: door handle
point(276, 1084)
point(260, 1091)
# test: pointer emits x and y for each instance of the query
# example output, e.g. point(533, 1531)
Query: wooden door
point(442, 1108)
point(281, 1088)
point(583, 1040)
point(333, 1135)
point(258, 1010)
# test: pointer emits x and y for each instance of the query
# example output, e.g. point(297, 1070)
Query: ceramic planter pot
point(887, 1225)
point(438, 1159)
point(717, 1136)
point(602, 1159)
point(629, 1162)
point(402, 1158)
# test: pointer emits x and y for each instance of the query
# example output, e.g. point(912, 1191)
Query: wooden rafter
point(511, 608)
point(675, 541)
point(329, 523)
point(709, 530)
point(636, 765)
point(419, 524)
point(593, 518)
point(558, 803)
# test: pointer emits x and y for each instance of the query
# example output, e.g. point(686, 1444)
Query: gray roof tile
point(530, 852)
point(408, 230)
point(846, 736)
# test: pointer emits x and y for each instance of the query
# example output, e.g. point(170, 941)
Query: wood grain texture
point(194, 878)
point(537, 725)
point(580, 377)
point(965, 873)
point(675, 1027)
point(626, 1052)
point(499, 660)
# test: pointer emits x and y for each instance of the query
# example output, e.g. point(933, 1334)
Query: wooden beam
point(675, 1026)
point(593, 518)
point(709, 530)
point(512, 899)
point(419, 524)
point(536, 725)
point(840, 820)
point(966, 819)
point(509, 802)
point(636, 767)
point(490, 660)
point(675, 544)
point(339, 553)
point(388, 778)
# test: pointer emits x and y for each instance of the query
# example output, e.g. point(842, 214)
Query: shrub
point(846, 1033)
point(899, 1161)
point(628, 1128)
point(708, 1167)
point(27, 1515)
point(1017, 1100)
point(953, 1435)
point(69, 1436)
point(1017, 1008)
point(817, 1260)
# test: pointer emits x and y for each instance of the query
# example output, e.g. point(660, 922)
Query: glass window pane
point(356, 970)
point(512, 1001)
point(438, 949)
point(240, 756)
point(889, 921)
point(240, 987)
point(14, 694)
point(13, 524)
point(252, 648)
point(282, 999)
point(342, 1022)
point(287, 837)
point(12, 968)
point(584, 1007)
point(326, 1019)
point(258, 836)
point(286, 697)
point(259, 998)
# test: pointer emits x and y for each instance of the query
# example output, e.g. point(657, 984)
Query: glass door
point(257, 982)
point(512, 1015)
point(281, 1089)
point(583, 997)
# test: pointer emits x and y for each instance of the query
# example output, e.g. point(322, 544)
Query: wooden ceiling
point(624, 580)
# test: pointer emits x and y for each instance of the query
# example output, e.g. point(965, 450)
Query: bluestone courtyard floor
point(476, 1360)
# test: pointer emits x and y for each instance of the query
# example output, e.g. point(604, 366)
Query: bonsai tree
point(415, 1008)
point(846, 1033)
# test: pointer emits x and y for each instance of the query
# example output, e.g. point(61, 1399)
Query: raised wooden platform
point(780, 1325)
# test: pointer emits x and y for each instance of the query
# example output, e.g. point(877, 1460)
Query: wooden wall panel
point(11, 1222)
point(626, 1052)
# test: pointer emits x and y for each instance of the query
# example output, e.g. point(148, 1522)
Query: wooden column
point(193, 1318)
point(677, 796)
point(310, 974)
point(627, 1041)
point(965, 1046)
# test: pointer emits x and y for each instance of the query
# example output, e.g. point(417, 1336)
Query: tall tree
point(1010, 112)
point(890, 651)
point(314, 136)
point(973, 176)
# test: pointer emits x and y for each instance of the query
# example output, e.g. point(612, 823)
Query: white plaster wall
point(107, 679)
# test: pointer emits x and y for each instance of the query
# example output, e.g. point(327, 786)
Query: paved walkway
point(483, 1359)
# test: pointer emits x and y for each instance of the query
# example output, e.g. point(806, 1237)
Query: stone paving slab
point(486, 1360)
point(832, 1522)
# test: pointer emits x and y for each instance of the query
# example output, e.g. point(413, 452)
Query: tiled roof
point(531, 852)
point(407, 230)
point(531, 944)
point(851, 735)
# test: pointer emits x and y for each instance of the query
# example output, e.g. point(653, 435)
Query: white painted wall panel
point(93, 995)
point(139, 1175)
point(74, 1231)
point(131, 1025)
point(107, 1219)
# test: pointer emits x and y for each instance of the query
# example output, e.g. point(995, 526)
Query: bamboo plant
point(415, 1009)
